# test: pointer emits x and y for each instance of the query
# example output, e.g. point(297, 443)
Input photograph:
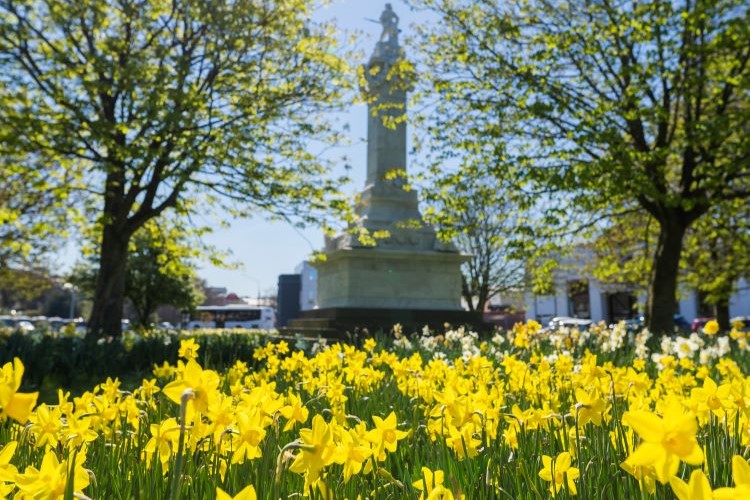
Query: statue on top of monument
point(389, 20)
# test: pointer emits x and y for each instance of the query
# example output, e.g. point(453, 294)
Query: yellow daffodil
point(46, 426)
point(370, 344)
point(698, 488)
point(665, 440)
point(316, 452)
point(294, 412)
point(8, 471)
point(351, 452)
point(385, 435)
point(711, 327)
point(163, 439)
point(203, 383)
point(559, 473)
point(50, 480)
point(247, 493)
point(14, 404)
point(246, 441)
point(431, 486)
point(188, 349)
point(589, 407)
point(463, 441)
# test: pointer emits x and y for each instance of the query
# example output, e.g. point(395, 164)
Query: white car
point(567, 322)
point(25, 326)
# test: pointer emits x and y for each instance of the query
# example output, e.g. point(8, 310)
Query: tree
point(603, 108)
point(160, 270)
point(716, 255)
point(162, 101)
point(471, 210)
point(24, 288)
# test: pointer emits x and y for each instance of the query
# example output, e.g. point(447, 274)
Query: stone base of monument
point(338, 321)
point(378, 278)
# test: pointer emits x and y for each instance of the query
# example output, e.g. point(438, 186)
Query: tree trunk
point(106, 315)
point(467, 294)
point(662, 297)
point(721, 310)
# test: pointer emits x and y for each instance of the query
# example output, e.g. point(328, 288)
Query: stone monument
point(410, 274)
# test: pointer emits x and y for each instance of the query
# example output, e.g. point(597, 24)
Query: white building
point(580, 295)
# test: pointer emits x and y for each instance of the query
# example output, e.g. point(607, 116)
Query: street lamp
point(72, 289)
point(257, 285)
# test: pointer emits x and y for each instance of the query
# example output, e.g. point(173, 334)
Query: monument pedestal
point(390, 279)
point(375, 288)
point(338, 321)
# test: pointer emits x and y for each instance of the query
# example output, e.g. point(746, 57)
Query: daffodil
point(463, 441)
point(294, 412)
point(711, 327)
point(14, 404)
point(50, 480)
point(698, 488)
point(370, 344)
point(164, 437)
point(665, 440)
point(203, 383)
point(385, 435)
point(351, 452)
point(250, 433)
point(741, 477)
point(46, 426)
point(247, 493)
point(188, 349)
point(8, 471)
point(431, 485)
point(589, 407)
point(559, 473)
point(77, 431)
point(317, 451)
point(711, 397)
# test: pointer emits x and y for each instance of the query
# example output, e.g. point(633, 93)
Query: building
point(580, 295)
point(308, 296)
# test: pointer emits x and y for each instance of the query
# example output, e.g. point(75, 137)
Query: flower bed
point(527, 414)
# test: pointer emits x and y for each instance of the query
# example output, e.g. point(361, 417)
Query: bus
point(231, 316)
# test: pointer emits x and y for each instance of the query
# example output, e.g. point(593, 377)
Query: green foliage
point(35, 210)
point(74, 363)
point(161, 271)
point(472, 211)
point(161, 268)
point(598, 110)
point(716, 254)
point(160, 102)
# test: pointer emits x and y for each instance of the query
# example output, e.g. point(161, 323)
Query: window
point(579, 305)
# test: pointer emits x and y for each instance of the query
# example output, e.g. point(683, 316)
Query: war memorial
point(409, 277)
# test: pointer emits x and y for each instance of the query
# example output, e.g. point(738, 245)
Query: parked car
point(504, 316)
point(681, 323)
point(745, 320)
point(567, 322)
point(635, 325)
point(25, 326)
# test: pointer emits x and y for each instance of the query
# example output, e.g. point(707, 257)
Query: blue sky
point(266, 249)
